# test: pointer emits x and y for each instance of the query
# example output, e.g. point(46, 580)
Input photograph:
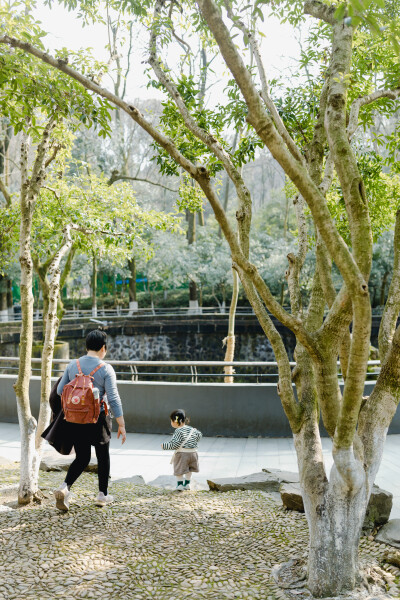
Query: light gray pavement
point(219, 457)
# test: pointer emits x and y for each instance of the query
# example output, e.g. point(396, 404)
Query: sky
point(278, 47)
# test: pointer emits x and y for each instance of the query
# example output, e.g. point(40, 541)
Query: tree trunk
point(44, 285)
point(94, 286)
point(51, 328)
point(383, 288)
point(334, 538)
point(30, 188)
point(132, 289)
point(132, 280)
point(10, 300)
point(28, 486)
point(3, 298)
point(335, 512)
point(230, 338)
point(66, 271)
point(193, 291)
point(191, 237)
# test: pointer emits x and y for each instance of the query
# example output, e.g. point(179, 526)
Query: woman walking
point(97, 434)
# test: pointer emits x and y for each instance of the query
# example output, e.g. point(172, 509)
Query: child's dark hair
point(179, 416)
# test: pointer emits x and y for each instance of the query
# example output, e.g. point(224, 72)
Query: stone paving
point(154, 543)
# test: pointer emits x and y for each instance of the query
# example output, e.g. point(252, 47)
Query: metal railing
point(261, 371)
point(79, 313)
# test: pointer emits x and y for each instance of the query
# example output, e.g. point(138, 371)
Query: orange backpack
point(77, 399)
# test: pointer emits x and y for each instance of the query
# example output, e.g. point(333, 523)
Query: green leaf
point(340, 12)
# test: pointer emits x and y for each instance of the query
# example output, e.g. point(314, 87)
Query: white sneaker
point(102, 500)
point(187, 486)
point(62, 496)
point(180, 487)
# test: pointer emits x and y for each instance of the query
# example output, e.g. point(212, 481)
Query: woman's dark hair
point(96, 339)
point(179, 416)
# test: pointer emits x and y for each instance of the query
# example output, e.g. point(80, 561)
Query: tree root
point(36, 497)
point(291, 574)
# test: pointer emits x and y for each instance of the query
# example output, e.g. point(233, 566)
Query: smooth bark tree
point(5, 283)
point(335, 502)
point(30, 187)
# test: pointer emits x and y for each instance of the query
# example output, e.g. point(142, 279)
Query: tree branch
point(292, 408)
point(392, 307)
point(52, 157)
point(379, 409)
point(208, 139)
point(67, 267)
point(296, 261)
point(132, 111)
point(363, 101)
point(292, 322)
point(319, 10)
point(86, 231)
point(291, 144)
point(267, 132)
point(5, 192)
point(115, 176)
point(328, 175)
point(360, 230)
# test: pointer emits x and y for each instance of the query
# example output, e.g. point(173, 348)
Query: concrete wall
point(237, 410)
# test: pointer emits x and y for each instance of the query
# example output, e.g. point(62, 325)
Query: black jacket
point(61, 435)
point(57, 433)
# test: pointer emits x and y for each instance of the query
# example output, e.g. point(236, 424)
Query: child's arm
point(175, 441)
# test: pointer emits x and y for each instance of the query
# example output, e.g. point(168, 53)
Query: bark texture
point(30, 187)
point(51, 328)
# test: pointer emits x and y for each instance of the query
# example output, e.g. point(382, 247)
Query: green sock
point(179, 483)
point(187, 481)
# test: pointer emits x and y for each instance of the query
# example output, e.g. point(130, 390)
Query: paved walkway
point(219, 457)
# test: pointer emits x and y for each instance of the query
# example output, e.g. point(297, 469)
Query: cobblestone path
point(151, 543)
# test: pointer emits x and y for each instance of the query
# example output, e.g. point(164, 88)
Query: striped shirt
point(180, 434)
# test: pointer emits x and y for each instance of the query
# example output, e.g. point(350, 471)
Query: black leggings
point(83, 451)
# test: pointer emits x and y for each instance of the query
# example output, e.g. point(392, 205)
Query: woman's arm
point(110, 387)
point(121, 429)
point(64, 380)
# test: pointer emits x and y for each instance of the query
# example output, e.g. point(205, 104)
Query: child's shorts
point(185, 462)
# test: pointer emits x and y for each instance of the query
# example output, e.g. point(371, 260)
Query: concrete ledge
point(237, 410)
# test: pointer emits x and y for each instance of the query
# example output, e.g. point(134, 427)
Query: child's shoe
point(186, 485)
point(179, 486)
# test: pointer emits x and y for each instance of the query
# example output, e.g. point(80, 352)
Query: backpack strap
point(79, 367)
point(96, 369)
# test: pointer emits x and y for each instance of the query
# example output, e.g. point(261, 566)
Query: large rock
point(135, 479)
point(284, 476)
point(57, 462)
point(268, 482)
point(291, 496)
point(378, 510)
point(8, 492)
point(379, 507)
point(168, 482)
point(390, 533)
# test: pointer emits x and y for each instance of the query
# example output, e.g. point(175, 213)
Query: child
point(184, 442)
